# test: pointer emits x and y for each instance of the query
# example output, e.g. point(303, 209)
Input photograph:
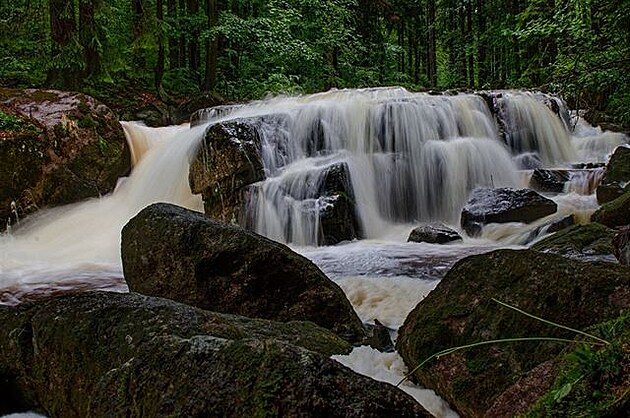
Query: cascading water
point(408, 157)
point(78, 245)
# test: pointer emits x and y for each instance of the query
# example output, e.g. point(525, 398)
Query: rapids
point(411, 157)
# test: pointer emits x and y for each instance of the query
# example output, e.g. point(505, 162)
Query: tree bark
point(159, 65)
point(89, 36)
point(63, 29)
point(212, 47)
point(431, 41)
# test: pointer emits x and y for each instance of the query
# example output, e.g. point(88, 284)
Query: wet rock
point(227, 162)
point(110, 354)
point(561, 224)
point(616, 178)
point(433, 233)
point(64, 148)
point(549, 181)
point(615, 213)
point(621, 246)
point(586, 242)
point(460, 311)
point(190, 107)
point(204, 115)
point(172, 252)
point(503, 205)
point(337, 216)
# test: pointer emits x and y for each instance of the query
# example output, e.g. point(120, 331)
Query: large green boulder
point(615, 213)
point(126, 355)
point(587, 242)
point(56, 148)
point(172, 252)
point(616, 177)
point(460, 311)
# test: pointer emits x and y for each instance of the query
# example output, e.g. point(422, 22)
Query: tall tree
point(66, 63)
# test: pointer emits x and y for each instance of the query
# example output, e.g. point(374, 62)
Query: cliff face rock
point(56, 148)
point(175, 253)
point(128, 355)
point(460, 311)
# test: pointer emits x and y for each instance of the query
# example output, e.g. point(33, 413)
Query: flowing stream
point(409, 158)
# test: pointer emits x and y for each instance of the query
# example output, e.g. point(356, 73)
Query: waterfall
point(408, 157)
point(81, 242)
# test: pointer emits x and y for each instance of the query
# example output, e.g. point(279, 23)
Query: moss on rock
point(591, 241)
point(615, 213)
point(460, 311)
point(109, 354)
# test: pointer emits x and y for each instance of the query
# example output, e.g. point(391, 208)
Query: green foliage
point(14, 124)
point(593, 381)
point(9, 122)
point(247, 49)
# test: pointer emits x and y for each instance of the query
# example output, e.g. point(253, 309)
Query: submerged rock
point(227, 162)
point(433, 233)
point(616, 178)
point(460, 311)
point(59, 148)
point(587, 242)
point(504, 205)
point(182, 255)
point(615, 213)
point(110, 354)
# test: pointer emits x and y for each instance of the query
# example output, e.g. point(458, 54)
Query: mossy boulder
point(587, 242)
point(616, 178)
point(66, 147)
point(433, 233)
point(172, 252)
point(128, 355)
point(227, 162)
point(615, 213)
point(503, 205)
point(621, 245)
point(461, 311)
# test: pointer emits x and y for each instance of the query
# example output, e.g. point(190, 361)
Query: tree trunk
point(432, 55)
point(193, 47)
point(89, 37)
point(62, 30)
point(159, 65)
point(212, 47)
point(137, 11)
point(173, 41)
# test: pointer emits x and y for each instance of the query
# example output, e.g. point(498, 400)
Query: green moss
point(614, 213)
point(589, 239)
point(12, 123)
point(87, 122)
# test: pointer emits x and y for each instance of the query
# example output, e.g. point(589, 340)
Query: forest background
point(246, 49)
